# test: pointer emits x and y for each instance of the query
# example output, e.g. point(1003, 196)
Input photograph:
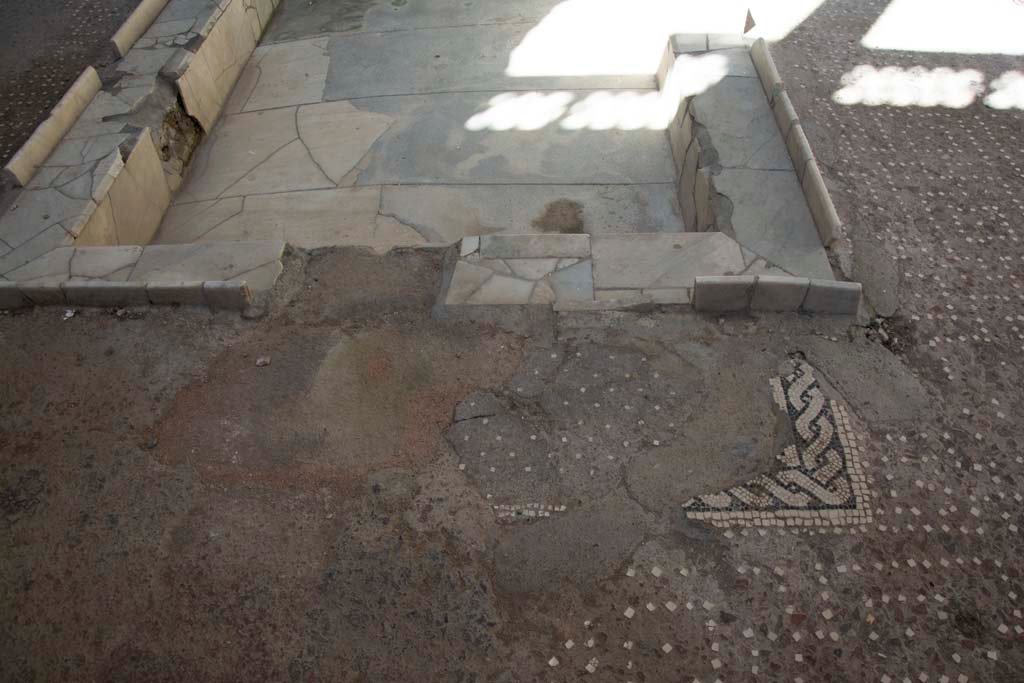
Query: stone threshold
point(581, 272)
point(217, 275)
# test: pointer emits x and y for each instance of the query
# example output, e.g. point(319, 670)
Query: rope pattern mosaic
point(822, 483)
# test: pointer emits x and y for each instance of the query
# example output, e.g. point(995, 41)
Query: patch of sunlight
point(621, 110)
point(521, 111)
point(615, 38)
point(981, 27)
point(694, 74)
point(602, 109)
point(1007, 91)
point(913, 87)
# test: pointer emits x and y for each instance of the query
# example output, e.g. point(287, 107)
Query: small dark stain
point(562, 215)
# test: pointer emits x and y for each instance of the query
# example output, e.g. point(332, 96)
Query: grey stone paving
point(436, 139)
point(770, 217)
point(447, 114)
point(455, 210)
point(736, 114)
point(302, 18)
point(663, 261)
point(446, 60)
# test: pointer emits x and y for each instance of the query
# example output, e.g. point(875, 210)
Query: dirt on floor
point(318, 493)
point(561, 215)
point(162, 492)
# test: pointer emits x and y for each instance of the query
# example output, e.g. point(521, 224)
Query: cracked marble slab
point(296, 148)
point(45, 241)
point(515, 281)
point(741, 125)
point(307, 219)
point(37, 211)
point(770, 217)
point(71, 263)
point(281, 76)
point(78, 151)
point(449, 212)
point(449, 139)
point(258, 263)
point(652, 261)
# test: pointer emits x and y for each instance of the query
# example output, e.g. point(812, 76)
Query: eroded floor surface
point(354, 488)
point(357, 487)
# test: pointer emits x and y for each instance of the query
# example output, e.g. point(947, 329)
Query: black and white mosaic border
point(822, 484)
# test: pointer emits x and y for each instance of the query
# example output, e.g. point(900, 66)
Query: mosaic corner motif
point(823, 482)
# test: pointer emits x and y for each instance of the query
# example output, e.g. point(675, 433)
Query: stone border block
point(135, 25)
point(535, 245)
point(722, 293)
point(778, 294)
point(52, 130)
point(785, 114)
point(11, 296)
point(171, 293)
point(833, 297)
point(43, 293)
point(103, 293)
point(766, 71)
point(820, 203)
point(227, 295)
point(800, 152)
